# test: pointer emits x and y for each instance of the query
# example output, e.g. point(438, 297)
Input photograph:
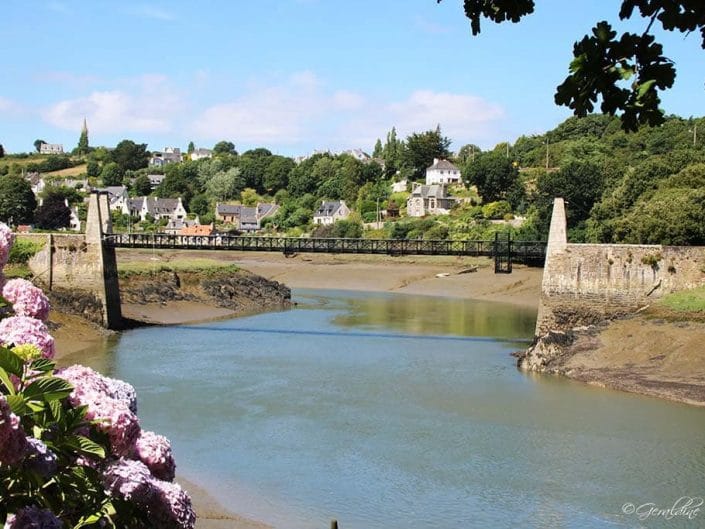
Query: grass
point(686, 301)
point(13, 270)
point(202, 266)
point(71, 171)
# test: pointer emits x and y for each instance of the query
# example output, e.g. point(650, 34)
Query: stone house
point(245, 218)
point(155, 180)
point(165, 157)
point(442, 172)
point(429, 200)
point(200, 154)
point(331, 211)
point(51, 148)
point(157, 208)
point(117, 197)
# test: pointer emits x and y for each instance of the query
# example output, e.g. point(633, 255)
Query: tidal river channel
point(393, 411)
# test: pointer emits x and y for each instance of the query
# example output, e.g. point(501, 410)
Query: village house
point(174, 226)
point(74, 221)
point(36, 181)
point(117, 197)
point(165, 157)
point(198, 229)
point(245, 218)
point(155, 180)
point(51, 148)
point(331, 211)
point(200, 154)
point(157, 208)
point(442, 172)
point(429, 200)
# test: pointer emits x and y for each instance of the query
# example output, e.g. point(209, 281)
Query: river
point(394, 411)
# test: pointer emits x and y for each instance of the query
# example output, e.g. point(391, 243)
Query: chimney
point(435, 161)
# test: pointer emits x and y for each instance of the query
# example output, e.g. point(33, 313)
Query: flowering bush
point(72, 453)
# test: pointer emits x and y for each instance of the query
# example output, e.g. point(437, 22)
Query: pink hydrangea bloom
point(154, 450)
point(173, 507)
point(26, 299)
point(86, 380)
point(129, 480)
point(7, 238)
point(33, 518)
point(109, 401)
point(20, 330)
point(13, 441)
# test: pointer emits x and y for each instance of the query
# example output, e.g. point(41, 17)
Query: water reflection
point(424, 314)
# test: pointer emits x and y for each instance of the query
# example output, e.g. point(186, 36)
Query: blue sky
point(294, 75)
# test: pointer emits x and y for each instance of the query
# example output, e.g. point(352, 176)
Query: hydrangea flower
point(27, 351)
point(154, 450)
point(13, 441)
point(26, 299)
point(173, 508)
point(87, 381)
point(7, 238)
point(129, 480)
point(39, 458)
point(20, 330)
point(33, 518)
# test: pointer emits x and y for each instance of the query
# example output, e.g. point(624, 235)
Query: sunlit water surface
point(393, 411)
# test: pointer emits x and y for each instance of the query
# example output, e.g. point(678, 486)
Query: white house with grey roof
point(158, 208)
point(331, 211)
point(51, 148)
point(442, 172)
point(201, 153)
point(117, 196)
point(429, 200)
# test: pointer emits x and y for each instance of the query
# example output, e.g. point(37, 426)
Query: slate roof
point(444, 165)
point(433, 190)
point(327, 208)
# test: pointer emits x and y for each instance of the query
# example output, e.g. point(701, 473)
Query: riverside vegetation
point(72, 452)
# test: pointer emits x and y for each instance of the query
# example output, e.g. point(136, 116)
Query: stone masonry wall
point(586, 283)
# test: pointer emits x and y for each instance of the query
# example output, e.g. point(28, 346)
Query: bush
point(23, 250)
point(496, 210)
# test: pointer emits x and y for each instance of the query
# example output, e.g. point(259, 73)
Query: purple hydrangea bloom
point(26, 299)
point(154, 450)
point(173, 507)
point(13, 441)
point(39, 458)
point(33, 518)
point(7, 238)
point(129, 480)
point(21, 330)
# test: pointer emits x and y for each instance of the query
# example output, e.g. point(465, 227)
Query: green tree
point(82, 148)
point(17, 201)
point(92, 168)
point(111, 174)
point(200, 205)
point(53, 214)
point(225, 185)
point(495, 177)
point(141, 186)
point(2, 151)
point(249, 197)
point(224, 147)
point(467, 153)
point(130, 156)
point(603, 60)
point(276, 175)
point(191, 147)
point(377, 152)
point(38, 144)
point(422, 148)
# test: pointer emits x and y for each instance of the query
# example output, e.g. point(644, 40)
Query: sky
point(295, 75)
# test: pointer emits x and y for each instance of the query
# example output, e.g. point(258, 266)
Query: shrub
point(23, 250)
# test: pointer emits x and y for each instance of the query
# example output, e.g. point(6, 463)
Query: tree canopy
point(17, 202)
point(627, 71)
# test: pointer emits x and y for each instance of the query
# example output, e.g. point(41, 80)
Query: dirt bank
point(651, 353)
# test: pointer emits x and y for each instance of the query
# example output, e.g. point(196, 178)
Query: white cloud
point(302, 110)
point(144, 104)
point(151, 11)
point(8, 107)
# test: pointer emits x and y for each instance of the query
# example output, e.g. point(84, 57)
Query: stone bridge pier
point(79, 269)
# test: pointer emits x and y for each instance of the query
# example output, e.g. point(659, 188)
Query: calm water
point(391, 411)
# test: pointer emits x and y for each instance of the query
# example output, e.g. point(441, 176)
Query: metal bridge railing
point(529, 252)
